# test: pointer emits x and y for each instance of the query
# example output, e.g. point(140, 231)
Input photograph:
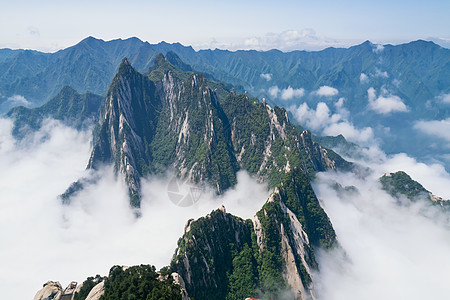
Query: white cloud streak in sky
point(274, 91)
point(382, 74)
point(289, 40)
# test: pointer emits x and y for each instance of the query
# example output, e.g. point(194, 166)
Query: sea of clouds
point(44, 240)
point(390, 249)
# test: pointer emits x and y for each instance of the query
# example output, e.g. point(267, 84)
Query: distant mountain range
point(388, 88)
point(92, 63)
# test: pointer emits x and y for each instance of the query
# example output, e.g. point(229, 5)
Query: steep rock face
point(148, 127)
point(51, 290)
point(225, 257)
point(206, 251)
point(169, 119)
point(177, 279)
point(127, 126)
point(96, 292)
point(268, 145)
point(193, 132)
point(54, 291)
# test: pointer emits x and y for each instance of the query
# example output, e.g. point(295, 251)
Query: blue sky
point(50, 25)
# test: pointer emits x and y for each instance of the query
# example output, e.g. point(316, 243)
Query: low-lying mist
point(45, 240)
point(391, 249)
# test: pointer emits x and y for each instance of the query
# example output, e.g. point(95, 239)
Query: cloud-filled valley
point(383, 243)
point(45, 240)
point(390, 249)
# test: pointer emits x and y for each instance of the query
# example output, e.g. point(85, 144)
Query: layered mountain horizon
point(108, 54)
point(367, 92)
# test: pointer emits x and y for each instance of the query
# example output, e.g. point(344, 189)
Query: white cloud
point(439, 128)
point(441, 41)
point(387, 246)
point(350, 132)
point(379, 73)
point(372, 94)
point(363, 78)
point(378, 48)
point(285, 94)
point(323, 122)
point(266, 76)
point(326, 91)
point(274, 91)
point(288, 40)
point(18, 100)
point(445, 98)
point(340, 102)
point(385, 104)
point(98, 230)
point(290, 93)
point(312, 119)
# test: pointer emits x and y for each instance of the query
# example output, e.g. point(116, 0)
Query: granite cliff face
point(169, 119)
point(52, 290)
point(225, 257)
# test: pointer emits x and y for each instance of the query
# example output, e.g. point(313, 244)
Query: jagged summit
point(173, 119)
point(124, 68)
point(125, 62)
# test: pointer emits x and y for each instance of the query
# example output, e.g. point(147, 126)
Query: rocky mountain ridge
point(225, 257)
point(400, 184)
point(176, 121)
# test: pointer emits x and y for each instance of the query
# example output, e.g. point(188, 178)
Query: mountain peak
point(125, 67)
point(125, 61)
point(90, 40)
point(68, 89)
point(160, 60)
point(176, 61)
